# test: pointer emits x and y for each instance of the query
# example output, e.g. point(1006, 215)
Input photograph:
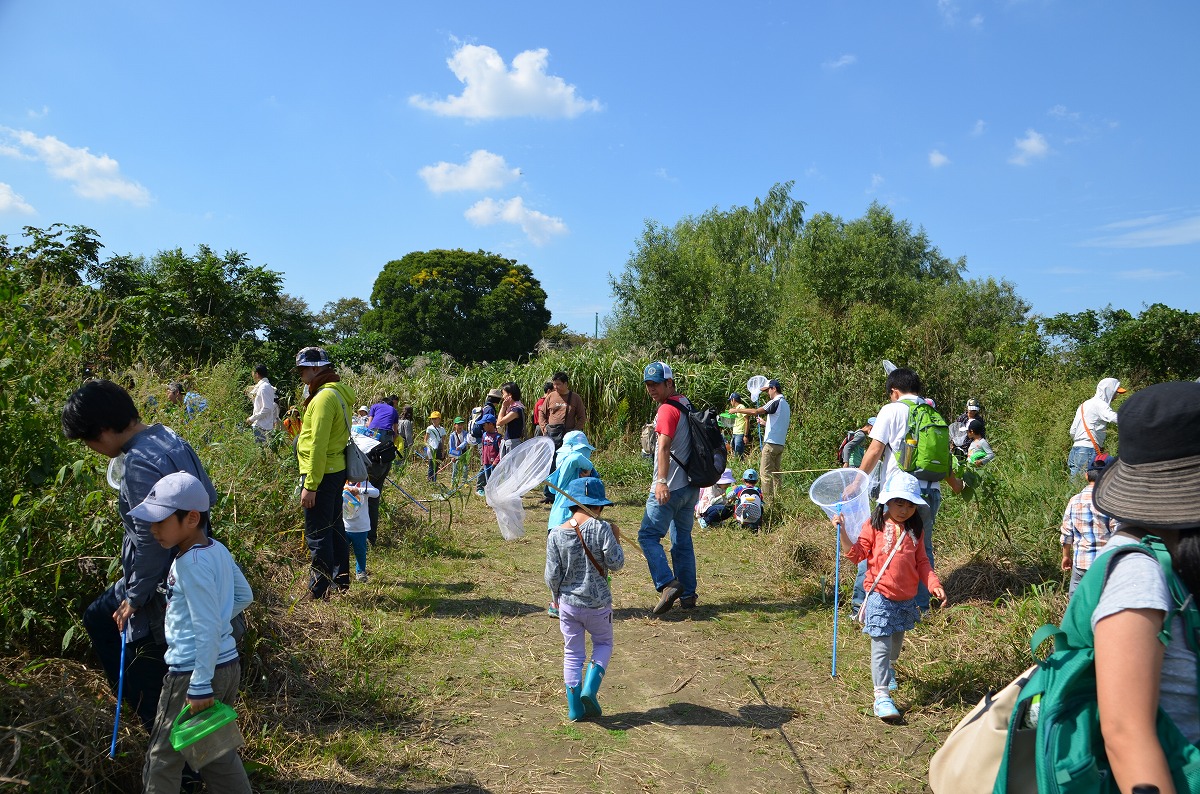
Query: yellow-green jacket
point(321, 445)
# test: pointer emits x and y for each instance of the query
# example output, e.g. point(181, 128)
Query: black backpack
point(707, 456)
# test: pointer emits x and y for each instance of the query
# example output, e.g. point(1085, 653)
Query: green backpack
point(928, 441)
point(1065, 744)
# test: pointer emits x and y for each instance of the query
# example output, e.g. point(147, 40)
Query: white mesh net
point(755, 386)
point(518, 471)
point(843, 492)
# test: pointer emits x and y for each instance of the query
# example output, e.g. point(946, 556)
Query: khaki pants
point(770, 464)
point(163, 771)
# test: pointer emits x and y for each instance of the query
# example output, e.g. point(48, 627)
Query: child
point(1085, 530)
point(205, 589)
point(489, 452)
point(891, 544)
point(747, 501)
point(458, 445)
point(579, 556)
point(435, 434)
point(572, 461)
point(358, 522)
point(979, 452)
point(713, 506)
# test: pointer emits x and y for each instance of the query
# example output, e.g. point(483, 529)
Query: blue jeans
point(674, 518)
point(738, 444)
point(1079, 460)
point(928, 516)
point(358, 542)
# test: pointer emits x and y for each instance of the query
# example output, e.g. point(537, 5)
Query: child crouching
point(579, 555)
point(890, 542)
point(205, 589)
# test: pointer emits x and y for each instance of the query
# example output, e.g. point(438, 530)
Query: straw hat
point(1155, 482)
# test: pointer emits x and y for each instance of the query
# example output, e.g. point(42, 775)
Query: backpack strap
point(575, 526)
point(683, 412)
point(1089, 431)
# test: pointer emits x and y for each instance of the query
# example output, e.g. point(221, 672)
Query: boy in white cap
point(205, 590)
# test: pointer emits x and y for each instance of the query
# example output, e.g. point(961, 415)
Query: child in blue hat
point(580, 553)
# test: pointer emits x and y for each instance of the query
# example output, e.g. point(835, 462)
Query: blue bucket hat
point(588, 491)
point(577, 440)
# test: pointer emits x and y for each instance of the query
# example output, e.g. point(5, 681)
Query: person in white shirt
point(887, 436)
point(265, 411)
point(778, 418)
point(1090, 426)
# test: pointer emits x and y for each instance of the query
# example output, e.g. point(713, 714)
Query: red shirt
point(537, 409)
point(908, 567)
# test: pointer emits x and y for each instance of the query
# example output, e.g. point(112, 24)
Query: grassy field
point(443, 673)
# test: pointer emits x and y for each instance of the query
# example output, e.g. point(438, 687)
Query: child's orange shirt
point(908, 567)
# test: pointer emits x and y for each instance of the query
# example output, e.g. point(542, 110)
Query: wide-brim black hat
point(1155, 481)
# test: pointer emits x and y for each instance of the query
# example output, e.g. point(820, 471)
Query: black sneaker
point(670, 593)
point(688, 602)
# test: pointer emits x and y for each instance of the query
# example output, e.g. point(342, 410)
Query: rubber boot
point(575, 711)
point(591, 685)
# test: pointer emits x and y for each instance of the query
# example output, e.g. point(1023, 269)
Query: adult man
point(778, 417)
point(192, 402)
point(1090, 426)
point(265, 412)
point(321, 452)
point(562, 411)
point(670, 505)
point(972, 411)
point(887, 436)
point(382, 419)
point(102, 415)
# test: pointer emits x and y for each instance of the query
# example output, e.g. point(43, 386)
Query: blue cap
point(657, 372)
point(774, 384)
point(751, 475)
point(588, 491)
point(873, 420)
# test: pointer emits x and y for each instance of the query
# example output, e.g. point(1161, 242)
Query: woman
point(265, 411)
point(1152, 489)
point(511, 418)
point(321, 453)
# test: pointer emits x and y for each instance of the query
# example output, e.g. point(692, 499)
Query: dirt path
point(735, 695)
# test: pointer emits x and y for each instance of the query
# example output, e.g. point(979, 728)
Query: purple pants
point(574, 621)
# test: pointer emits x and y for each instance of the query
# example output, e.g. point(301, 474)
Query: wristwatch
point(657, 480)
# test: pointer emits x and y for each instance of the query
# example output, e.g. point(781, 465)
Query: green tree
point(341, 319)
point(473, 306)
point(1157, 345)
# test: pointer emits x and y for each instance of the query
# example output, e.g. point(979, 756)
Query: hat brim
point(591, 501)
point(888, 496)
point(151, 513)
point(1160, 495)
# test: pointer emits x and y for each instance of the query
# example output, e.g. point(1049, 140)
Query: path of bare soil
point(735, 695)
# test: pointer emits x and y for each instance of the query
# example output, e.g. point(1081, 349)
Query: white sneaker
point(361, 577)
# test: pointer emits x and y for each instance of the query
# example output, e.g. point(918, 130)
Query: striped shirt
point(1084, 528)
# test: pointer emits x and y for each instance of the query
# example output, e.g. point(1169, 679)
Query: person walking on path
point(321, 452)
point(580, 553)
point(671, 504)
point(265, 412)
point(103, 416)
point(778, 418)
point(1090, 426)
point(887, 438)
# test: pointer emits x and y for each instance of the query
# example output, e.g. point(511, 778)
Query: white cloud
point(1155, 231)
point(538, 227)
point(876, 181)
point(38, 114)
point(949, 11)
point(937, 159)
point(1148, 274)
point(482, 171)
point(1062, 112)
point(979, 128)
point(11, 201)
point(91, 176)
point(839, 63)
point(1032, 147)
point(665, 176)
point(976, 22)
point(493, 91)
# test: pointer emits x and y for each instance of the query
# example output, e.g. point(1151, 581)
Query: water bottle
point(906, 456)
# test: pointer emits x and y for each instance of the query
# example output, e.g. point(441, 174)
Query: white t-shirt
point(779, 416)
point(890, 428)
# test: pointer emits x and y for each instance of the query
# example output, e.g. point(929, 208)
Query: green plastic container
point(185, 732)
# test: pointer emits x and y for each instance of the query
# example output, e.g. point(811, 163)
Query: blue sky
point(1050, 143)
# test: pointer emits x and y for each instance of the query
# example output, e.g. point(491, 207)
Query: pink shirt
point(908, 567)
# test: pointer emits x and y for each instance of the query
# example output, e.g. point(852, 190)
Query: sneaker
point(885, 709)
point(688, 602)
point(670, 593)
point(703, 524)
point(552, 610)
point(479, 492)
point(361, 578)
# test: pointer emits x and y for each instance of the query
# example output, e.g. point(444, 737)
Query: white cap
point(901, 485)
point(177, 491)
